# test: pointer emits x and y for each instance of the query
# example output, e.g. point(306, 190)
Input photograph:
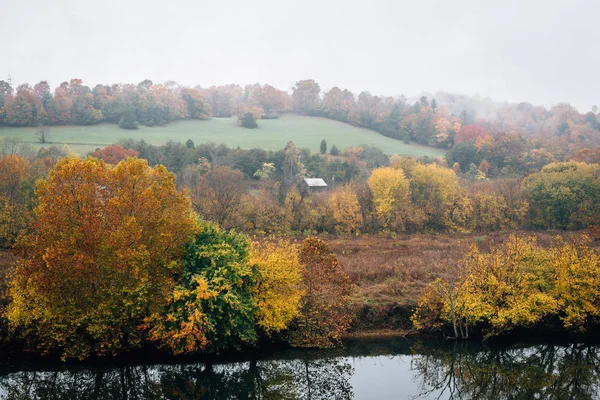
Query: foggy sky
point(540, 51)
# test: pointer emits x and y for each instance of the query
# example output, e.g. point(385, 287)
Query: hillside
point(271, 135)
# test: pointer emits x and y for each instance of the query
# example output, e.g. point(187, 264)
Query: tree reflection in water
point(538, 372)
point(448, 371)
point(306, 379)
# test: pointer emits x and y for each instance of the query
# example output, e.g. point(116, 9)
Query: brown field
point(390, 273)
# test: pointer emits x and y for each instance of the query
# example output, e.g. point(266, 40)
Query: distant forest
point(441, 121)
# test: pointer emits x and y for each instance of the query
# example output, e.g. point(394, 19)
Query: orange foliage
point(113, 154)
point(325, 315)
point(107, 242)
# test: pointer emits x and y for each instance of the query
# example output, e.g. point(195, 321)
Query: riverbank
point(388, 275)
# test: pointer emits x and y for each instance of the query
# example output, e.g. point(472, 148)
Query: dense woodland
point(139, 244)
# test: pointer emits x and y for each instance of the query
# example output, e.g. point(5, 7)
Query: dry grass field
point(390, 273)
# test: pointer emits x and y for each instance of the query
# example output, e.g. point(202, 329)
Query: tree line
point(556, 132)
point(258, 191)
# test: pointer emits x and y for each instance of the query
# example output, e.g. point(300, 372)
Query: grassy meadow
point(272, 134)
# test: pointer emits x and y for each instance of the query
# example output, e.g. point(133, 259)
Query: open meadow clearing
point(271, 134)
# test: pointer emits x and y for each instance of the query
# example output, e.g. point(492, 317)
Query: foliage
point(249, 121)
point(114, 154)
point(212, 306)
point(346, 210)
point(278, 291)
point(518, 284)
point(106, 244)
point(391, 197)
point(16, 198)
point(218, 196)
point(305, 97)
point(564, 195)
point(324, 315)
point(323, 147)
point(436, 192)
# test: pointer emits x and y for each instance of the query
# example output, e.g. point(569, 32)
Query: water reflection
point(538, 372)
point(271, 379)
point(447, 371)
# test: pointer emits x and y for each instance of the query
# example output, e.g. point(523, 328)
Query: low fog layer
point(537, 51)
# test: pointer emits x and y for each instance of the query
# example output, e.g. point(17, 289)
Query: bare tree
point(218, 196)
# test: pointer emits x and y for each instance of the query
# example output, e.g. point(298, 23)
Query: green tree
point(323, 146)
point(212, 307)
point(248, 120)
point(564, 195)
point(129, 120)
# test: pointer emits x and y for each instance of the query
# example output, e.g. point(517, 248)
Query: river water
point(376, 369)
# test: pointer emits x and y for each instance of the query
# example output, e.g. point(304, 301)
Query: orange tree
point(324, 314)
point(106, 244)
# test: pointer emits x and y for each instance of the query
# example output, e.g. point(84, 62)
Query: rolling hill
point(272, 134)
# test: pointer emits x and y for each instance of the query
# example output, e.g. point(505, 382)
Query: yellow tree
point(107, 242)
point(345, 209)
point(391, 197)
point(436, 192)
point(279, 290)
point(577, 269)
point(489, 210)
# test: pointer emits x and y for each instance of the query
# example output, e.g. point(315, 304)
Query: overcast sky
point(540, 51)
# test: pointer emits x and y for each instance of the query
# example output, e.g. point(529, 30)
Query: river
point(374, 369)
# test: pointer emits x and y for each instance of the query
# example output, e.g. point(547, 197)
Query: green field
point(272, 134)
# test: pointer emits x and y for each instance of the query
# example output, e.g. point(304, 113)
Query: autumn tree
point(107, 242)
point(293, 169)
point(113, 154)
point(16, 198)
point(489, 210)
point(279, 289)
point(436, 192)
point(470, 132)
point(212, 306)
point(577, 289)
point(564, 195)
point(346, 211)
point(305, 97)
point(520, 284)
point(588, 156)
point(338, 104)
point(390, 190)
point(324, 315)
point(194, 104)
point(218, 196)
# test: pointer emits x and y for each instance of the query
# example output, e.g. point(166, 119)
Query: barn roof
point(315, 182)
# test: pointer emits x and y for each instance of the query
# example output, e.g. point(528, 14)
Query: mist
point(535, 51)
